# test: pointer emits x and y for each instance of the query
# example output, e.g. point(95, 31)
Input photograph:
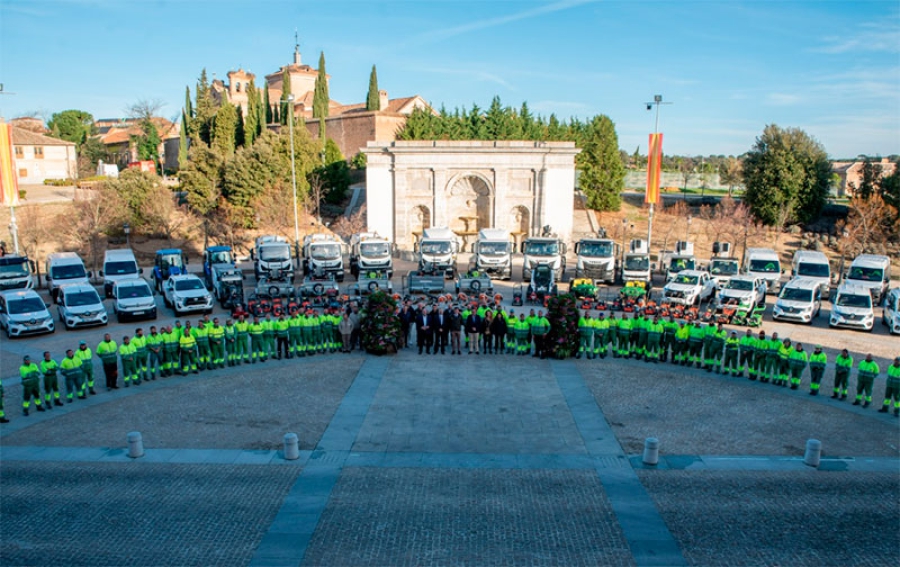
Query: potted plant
point(379, 324)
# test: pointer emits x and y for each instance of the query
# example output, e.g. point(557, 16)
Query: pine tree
point(269, 118)
point(225, 128)
point(602, 172)
point(373, 99)
point(286, 109)
point(320, 94)
point(205, 111)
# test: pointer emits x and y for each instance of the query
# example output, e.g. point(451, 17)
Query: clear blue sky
point(730, 68)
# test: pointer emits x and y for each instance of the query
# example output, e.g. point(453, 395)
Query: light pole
point(624, 237)
point(290, 103)
point(657, 101)
point(687, 230)
point(127, 228)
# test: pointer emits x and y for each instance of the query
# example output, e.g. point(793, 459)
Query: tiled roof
point(22, 137)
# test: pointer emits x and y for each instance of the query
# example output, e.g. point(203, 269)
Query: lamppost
point(290, 103)
point(687, 229)
point(624, 237)
point(127, 228)
point(845, 235)
point(657, 101)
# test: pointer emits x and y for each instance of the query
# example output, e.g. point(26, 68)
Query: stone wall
point(353, 131)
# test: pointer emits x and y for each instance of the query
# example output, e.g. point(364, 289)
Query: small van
point(763, 263)
point(871, 271)
point(64, 268)
point(80, 306)
point(813, 265)
point(134, 300)
point(118, 265)
point(23, 312)
point(852, 308)
point(799, 300)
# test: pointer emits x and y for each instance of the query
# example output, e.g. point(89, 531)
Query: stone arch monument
point(467, 186)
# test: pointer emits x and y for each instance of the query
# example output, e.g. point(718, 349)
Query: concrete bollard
point(813, 453)
point(135, 445)
point(291, 447)
point(651, 451)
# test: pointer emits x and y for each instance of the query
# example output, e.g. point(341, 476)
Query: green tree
point(201, 179)
point(239, 127)
point(225, 128)
point(870, 184)
point(251, 120)
point(147, 143)
point(731, 173)
point(602, 174)
point(72, 125)
point(890, 189)
point(89, 155)
point(268, 105)
point(786, 175)
point(205, 111)
point(285, 94)
point(320, 93)
point(373, 100)
point(335, 173)
point(183, 142)
point(135, 187)
point(187, 113)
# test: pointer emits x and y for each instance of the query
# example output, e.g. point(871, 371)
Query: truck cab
point(544, 250)
point(813, 265)
point(722, 267)
point(370, 251)
point(168, 262)
point(323, 254)
point(214, 256)
point(636, 265)
point(764, 263)
point(679, 260)
point(870, 271)
point(271, 253)
point(596, 259)
point(437, 250)
point(16, 272)
point(493, 253)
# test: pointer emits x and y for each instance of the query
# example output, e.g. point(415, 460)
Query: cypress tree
point(320, 94)
point(250, 124)
point(188, 111)
point(182, 141)
point(204, 110)
point(285, 93)
point(373, 100)
point(225, 128)
point(268, 110)
point(239, 130)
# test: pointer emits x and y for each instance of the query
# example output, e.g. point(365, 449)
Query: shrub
point(562, 312)
point(379, 324)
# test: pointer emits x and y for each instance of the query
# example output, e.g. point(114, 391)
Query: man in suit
point(424, 332)
point(455, 323)
point(440, 325)
point(473, 330)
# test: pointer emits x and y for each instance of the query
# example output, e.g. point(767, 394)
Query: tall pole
point(290, 101)
point(657, 100)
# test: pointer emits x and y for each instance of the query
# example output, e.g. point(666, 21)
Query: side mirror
point(90, 274)
point(100, 273)
point(653, 266)
point(140, 271)
point(47, 305)
point(31, 264)
point(253, 255)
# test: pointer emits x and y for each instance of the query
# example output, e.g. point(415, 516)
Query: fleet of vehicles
point(689, 287)
point(636, 265)
point(16, 272)
point(813, 265)
point(722, 266)
point(79, 305)
point(492, 253)
point(681, 259)
point(596, 259)
point(853, 307)
point(370, 251)
point(216, 259)
point(763, 263)
point(798, 300)
point(186, 293)
point(168, 262)
point(323, 254)
point(872, 272)
point(437, 251)
point(272, 253)
point(744, 292)
point(546, 250)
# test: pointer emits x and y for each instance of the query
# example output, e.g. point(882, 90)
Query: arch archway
point(471, 204)
point(418, 220)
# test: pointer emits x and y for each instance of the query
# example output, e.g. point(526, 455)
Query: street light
point(624, 236)
point(127, 228)
point(687, 230)
point(290, 102)
point(657, 101)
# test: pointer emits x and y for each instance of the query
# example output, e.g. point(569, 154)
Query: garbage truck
point(596, 259)
point(323, 255)
point(492, 253)
point(271, 254)
point(546, 249)
point(437, 251)
point(370, 251)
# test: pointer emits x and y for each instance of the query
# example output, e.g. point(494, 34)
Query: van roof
point(871, 260)
point(63, 257)
point(803, 283)
point(761, 252)
point(77, 287)
point(19, 294)
point(808, 255)
point(168, 251)
point(853, 289)
point(120, 253)
point(131, 282)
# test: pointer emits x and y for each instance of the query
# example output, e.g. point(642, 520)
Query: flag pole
point(657, 100)
point(14, 228)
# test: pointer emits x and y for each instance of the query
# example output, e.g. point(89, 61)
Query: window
point(237, 87)
point(38, 152)
point(19, 153)
point(23, 173)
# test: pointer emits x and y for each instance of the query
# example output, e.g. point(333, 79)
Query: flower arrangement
point(379, 324)
point(563, 314)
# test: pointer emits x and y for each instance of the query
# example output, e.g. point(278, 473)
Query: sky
point(728, 68)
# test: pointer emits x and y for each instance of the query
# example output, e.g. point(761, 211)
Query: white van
point(23, 312)
point(813, 265)
point(118, 265)
point(763, 263)
point(65, 268)
point(852, 308)
point(871, 271)
point(80, 306)
point(799, 300)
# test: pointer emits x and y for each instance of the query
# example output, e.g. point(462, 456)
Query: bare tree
point(162, 216)
point(95, 217)
point(746, 226)
point(346, 226)
point(719, 221)
point(316, 194)
point(866, 224)
point(273, 207)
point(686, 169)
point(674, 214)
point(144, 109)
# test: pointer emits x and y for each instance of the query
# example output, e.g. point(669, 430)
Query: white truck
point(270, 254)
point(323, 255)
point(681, 259)
point(871, 271)
point(370, 251)
point(689, 287)
point(764, 263)
point(492, 253)
point(596, 259)
point(722, 266)
point(437, 250)
point(16, 272)
point(547, 249)
point(636, 264)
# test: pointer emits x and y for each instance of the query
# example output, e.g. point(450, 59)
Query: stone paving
point(418, 460)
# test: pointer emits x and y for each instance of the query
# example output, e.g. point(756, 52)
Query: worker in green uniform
point(892, 388)
point(680, 348)
point(230, 341)
point(282, 338)
point(730, 361)
point(655, 330)
point(187, 348)
point(139, 342)
point(31, 386)
point(842, 366)
point(128, 356)
point(668, 342)
point(268, 326)
point(108, 351)
point(171, 346)
point(623, 336)
point(257, 341)
point(201, 338)
point(327, 329)
point(761, 357)
point(216, 333)
point(797, 363)
point(71, 371)
point(295, 325)
point(242, 345)
point(715, 346)
point(818, 360)
point(3, 418)
point(540, 326)
point(639, 335)
point(522, 329)
point(695, 344)
point(600, 335)
point(784, 365)
point(773, 348)
point(866, 373)
point(315, 325)
point(154, 353)
point(50, 369)
point(87, 366)
point(747, 350)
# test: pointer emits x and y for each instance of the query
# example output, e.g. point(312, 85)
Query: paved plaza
point(450, 460)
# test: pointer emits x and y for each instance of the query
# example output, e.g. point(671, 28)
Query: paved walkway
point(503, 460)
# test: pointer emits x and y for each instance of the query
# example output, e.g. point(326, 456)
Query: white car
point(80, 306)
point(23, 312)
point(185, 293)
point(689, 287)
point(133, 300)
point(748, 291)
point(799, 300)
point(890, 315)
point(852, 308)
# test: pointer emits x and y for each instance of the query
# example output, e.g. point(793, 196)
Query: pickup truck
point(689, 287)
point(747, 291)
point(185, 293)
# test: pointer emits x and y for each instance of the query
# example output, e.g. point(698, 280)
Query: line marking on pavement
point(648, 537)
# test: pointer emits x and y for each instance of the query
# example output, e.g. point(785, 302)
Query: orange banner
point(654, 166)
point(9, 185)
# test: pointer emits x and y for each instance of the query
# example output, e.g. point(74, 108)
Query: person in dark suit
point(473, 330)
point(440, 325)
point(454, 325)
point(498, 331)
point(407, 317)
point(424, 331)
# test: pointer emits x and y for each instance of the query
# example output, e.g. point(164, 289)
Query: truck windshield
point(167, 261)
point(27, 305)
point(223, 257)
point(678, 264)
point(865, 274)
point(542, 248)
point(596, 249)
point(848, 300)
point(188, 284)
point(765, 266)
point(14, 269)
point(133, 291)
point(493, 248)
point(436, 248)
point(740, 285)
point(374, 249)
point(723, 268)
point(120, 268)
point(67, 272)
point(82, 298)
point(637, 263)
point(275, 253)
point(688, 280)
point(813, 270)
point(796, 294)
point(325, 251)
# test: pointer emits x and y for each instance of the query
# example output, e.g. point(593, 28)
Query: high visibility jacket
point(521, 328)
point(294, 324)
point(697, 333)
point(773, 347)
point(154, 341)
point(732, 343)
point(798, 358)
point(49, 368)
point(230, 332)
point(625, 324)
point(170, 340)
point(70, 366)
point(256, 329)
point(540, 326)
point(201, 335)
point(127, 352)
point(655, 328)
point(683, 333)
point(601, 325)
point(844, 362)
point(243, 328)
point(107, 351)
point(268, 325)
point(187, 341)
point(178, 331)
point(893, 376)
point(84, 354)
point(784, 352)
point(282, 327)
point(818, 360)
point(867, 369)
point(216, 333)
point(747, 343)
point(585, 327)
point(139, 344)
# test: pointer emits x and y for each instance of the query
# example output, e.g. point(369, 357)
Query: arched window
point(237, 87)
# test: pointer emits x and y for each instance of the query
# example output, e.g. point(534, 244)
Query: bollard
point(291, 447)
point(651, 451)
point(135, 445)
point(813, 452)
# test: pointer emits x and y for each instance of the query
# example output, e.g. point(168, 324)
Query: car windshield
point(865, 274)
point(853, 300)
point(133, 291)
point(796, 294)
point(637, 263)
point(813, 270)
point(170, 260)
point(542, 248)
point(82, 298)
point(493, 248)
point(436, 247)
point(223, 257)
point(765, 266)
point(678, 264)
point(14, 269)
point(67, 272)
point(275, 253)
point(723, 268)
point(688, 280)
point(27, 305)
point(741, 285)
point(188, 284)
point(596, 249)
point(120, 268)
point(374, 248)
point(326, 251)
